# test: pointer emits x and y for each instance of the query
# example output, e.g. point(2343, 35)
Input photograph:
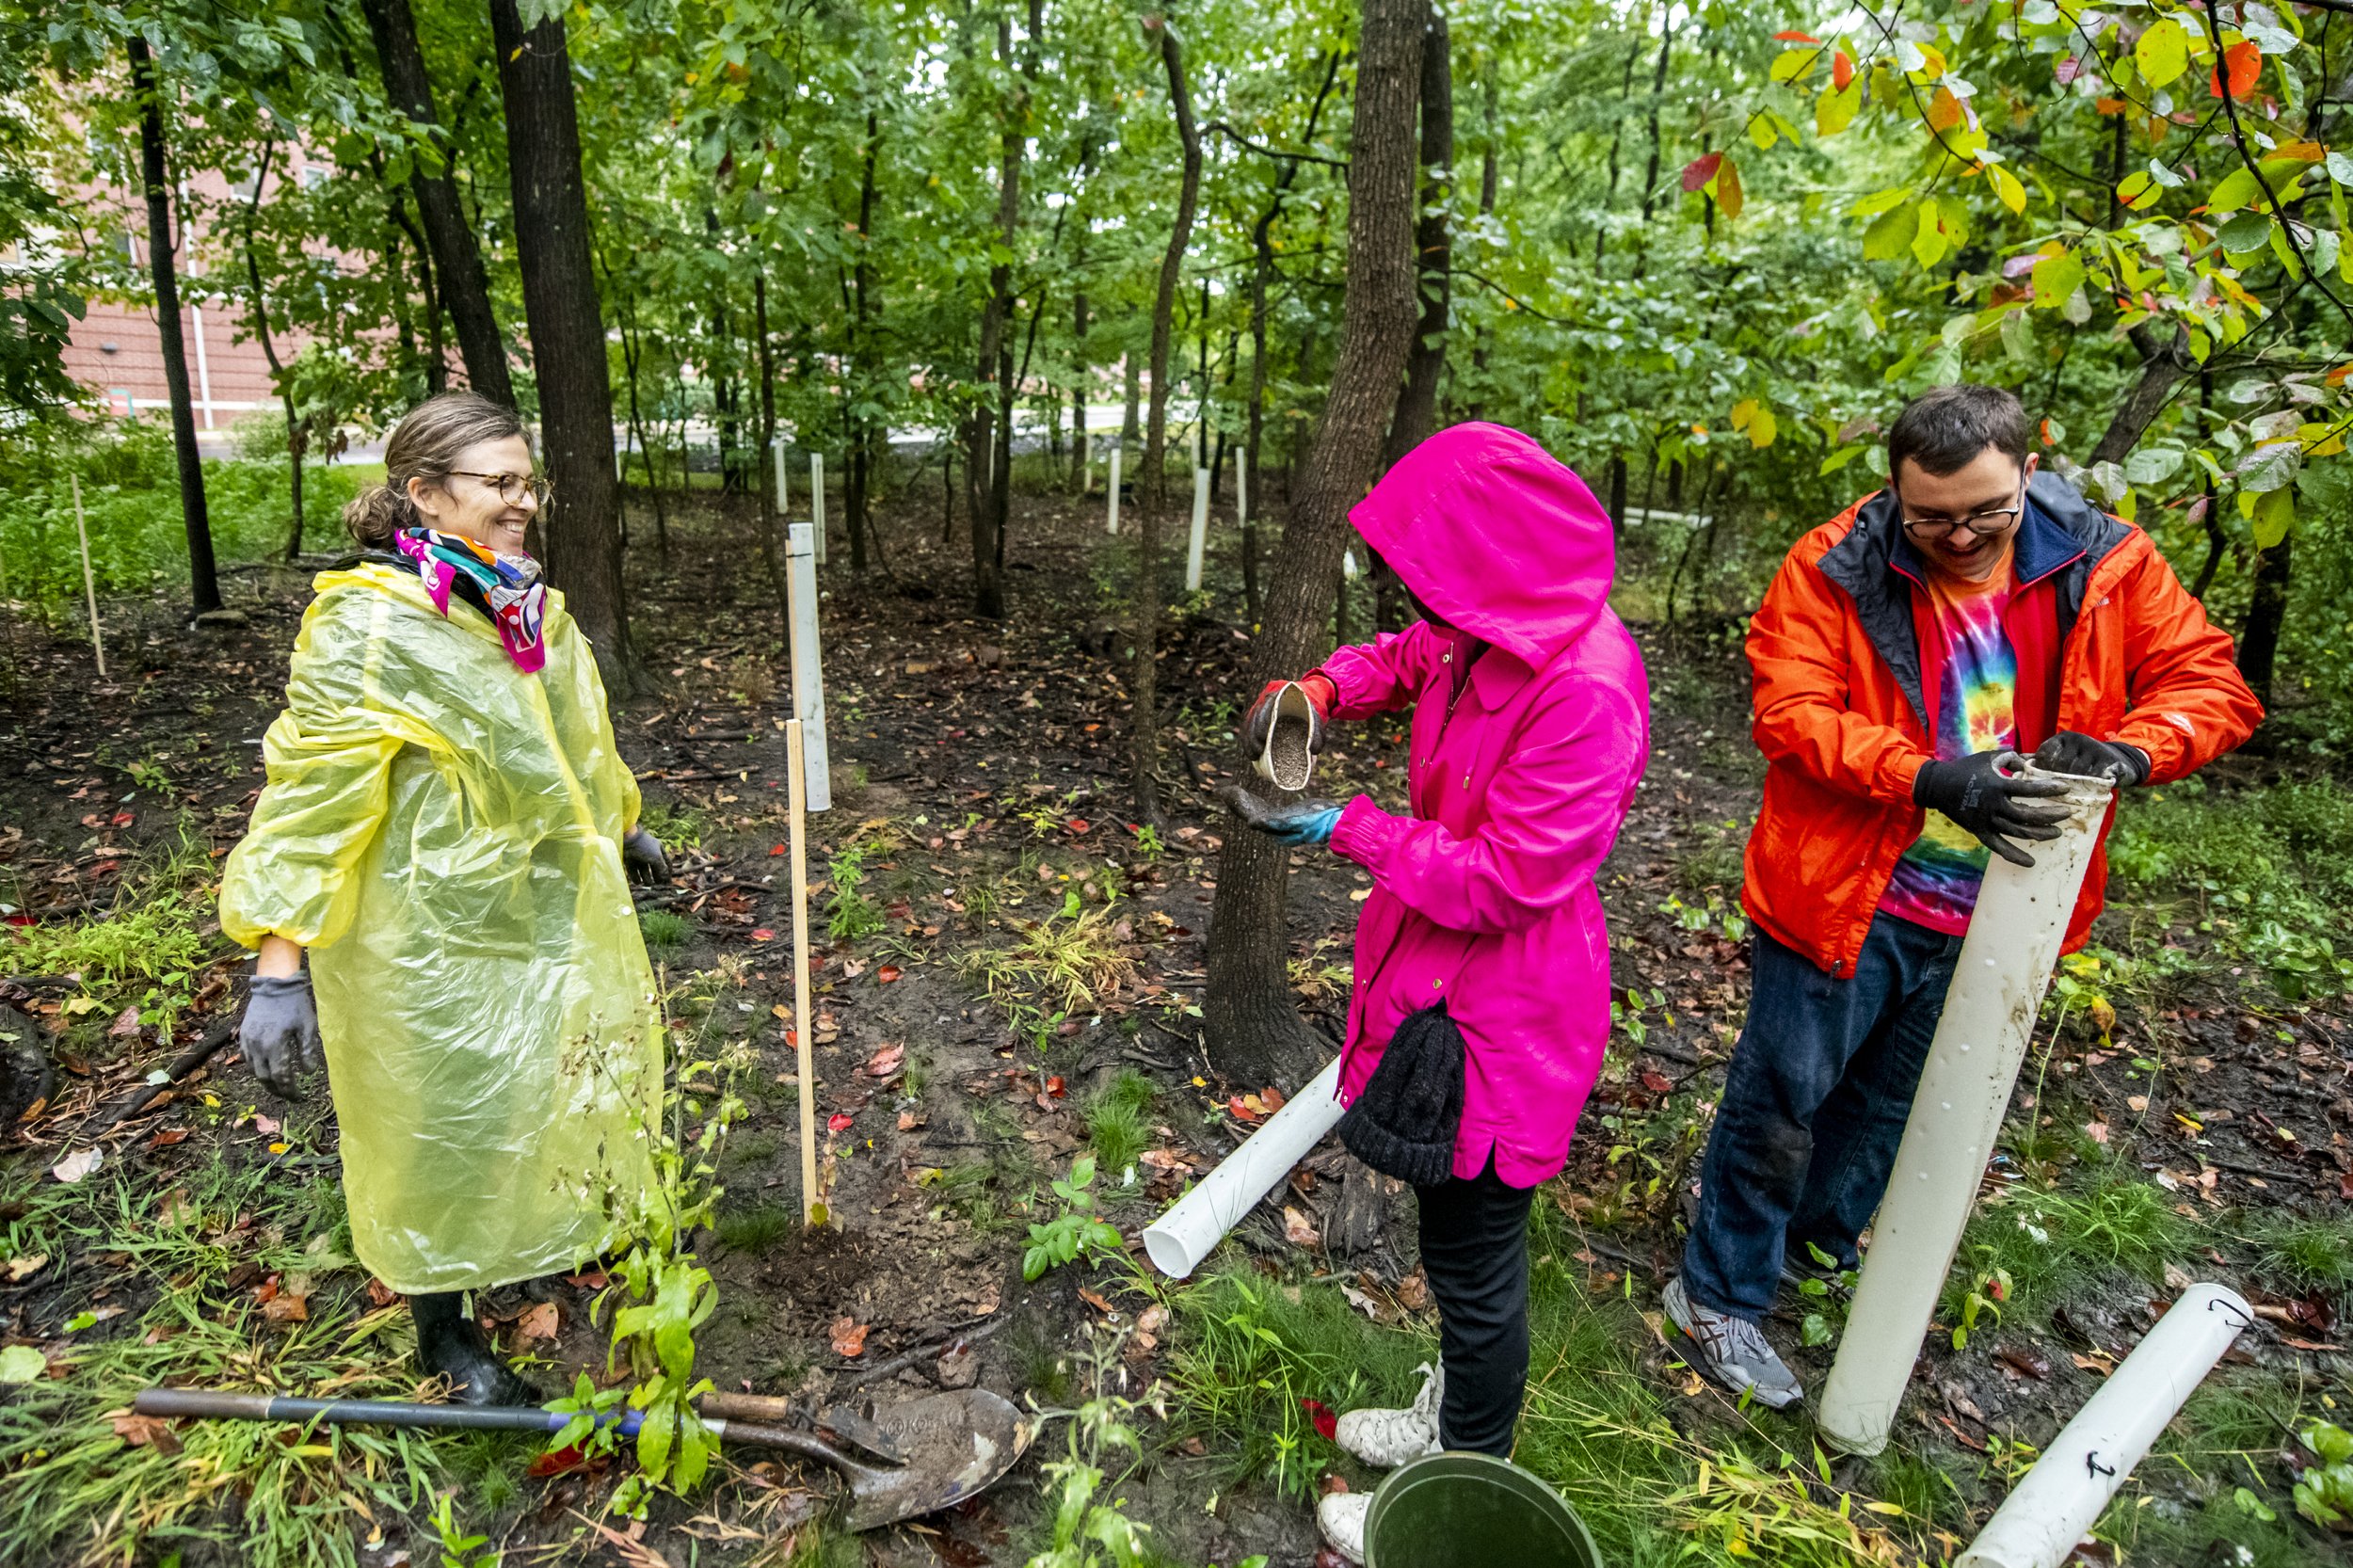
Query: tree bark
point(1254, 1032)
point(982, 481)
point(2266, 612)
point(1152, 486)
point(1417, 405)
point(203, 581)
point(2164, 360)
point(1079, 376)
point(295, 442)
point(583, 552)
point(465, 288)
point(855, 498)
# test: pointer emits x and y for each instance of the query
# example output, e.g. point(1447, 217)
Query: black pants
point(1474, 1252)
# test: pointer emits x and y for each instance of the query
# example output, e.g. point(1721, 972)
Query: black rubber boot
point(452, 1345)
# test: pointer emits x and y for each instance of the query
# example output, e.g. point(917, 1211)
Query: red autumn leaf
point(1841, 70)
point(1241, 1112)
point(838, 1122)
point(1054, 1086)
point(886, 1062)
point(1272, 1098)
point(1701, 169)
point(120, 819)
point(1080, 825)
point(776, 849)
point(849, 1336)
point(1794, 37)
point(1656, 1081)
point(885, 975)
point(2246, 62)
point(562, 1461)
point(1327, 1425)
point(763, 933)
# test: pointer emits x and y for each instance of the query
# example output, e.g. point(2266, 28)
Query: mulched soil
point(995, 749)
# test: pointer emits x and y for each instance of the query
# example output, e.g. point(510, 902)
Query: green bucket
point(1472, 1510)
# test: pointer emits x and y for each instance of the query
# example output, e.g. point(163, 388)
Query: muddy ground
point(981, 768)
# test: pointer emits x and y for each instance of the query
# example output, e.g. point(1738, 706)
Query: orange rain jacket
point(1843, 697)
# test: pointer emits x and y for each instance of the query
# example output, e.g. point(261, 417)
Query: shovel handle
point(221, 1405)
point(765, 1408)
point(804, 1444)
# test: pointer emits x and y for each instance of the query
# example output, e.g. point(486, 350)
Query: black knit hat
point(1403, 1124)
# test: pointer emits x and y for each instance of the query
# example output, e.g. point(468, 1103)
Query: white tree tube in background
point(1111, 524)
point(817, 508)
point(784, 493)
point(2063, 1496)
point(2005, 967)
point(808, 675)
point(1196, 1223)
point(1200, 529)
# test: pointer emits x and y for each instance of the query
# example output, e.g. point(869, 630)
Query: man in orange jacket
point(1907, 654)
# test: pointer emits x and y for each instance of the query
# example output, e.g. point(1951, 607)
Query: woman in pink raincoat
point(1482, 960)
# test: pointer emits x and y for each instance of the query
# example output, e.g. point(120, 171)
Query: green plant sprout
point(1077, 1230)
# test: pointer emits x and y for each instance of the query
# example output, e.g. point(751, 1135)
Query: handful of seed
point(1288, 756)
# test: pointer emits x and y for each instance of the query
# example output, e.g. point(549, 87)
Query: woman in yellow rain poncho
point(445, 829)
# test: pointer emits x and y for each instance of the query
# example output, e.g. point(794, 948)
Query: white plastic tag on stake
point(817, 517)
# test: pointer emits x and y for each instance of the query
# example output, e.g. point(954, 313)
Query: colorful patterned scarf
point(507, 588)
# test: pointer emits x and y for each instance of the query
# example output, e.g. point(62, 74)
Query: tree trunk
point(583, 554)
point(2267, 611)
point(630, 352)
point(436, 354)
point(1256, 1035)
point(981, 453)
point(203, 581)
point(767, 463)
point(1417, 405)
point(1152, 486)
point(856, 499)
point(1130, 419)
point(1486, 210)
point(1079, 376)
point(465, 288)
point(2164, 360)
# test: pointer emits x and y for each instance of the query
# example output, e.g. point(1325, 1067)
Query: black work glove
point(279, 1035)
point(1301, 824)
point(2069, 751)
point(642, 857)
point(1991, 795)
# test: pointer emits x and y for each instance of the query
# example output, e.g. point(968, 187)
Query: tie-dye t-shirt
point(1935, 883)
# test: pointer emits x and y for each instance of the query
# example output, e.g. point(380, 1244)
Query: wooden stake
point(89, 584)
point(812, 1210)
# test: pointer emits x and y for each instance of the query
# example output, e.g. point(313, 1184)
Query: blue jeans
point(1814, 1107)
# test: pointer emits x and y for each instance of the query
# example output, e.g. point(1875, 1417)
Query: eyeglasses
point(512, 488)
point(1981, 524)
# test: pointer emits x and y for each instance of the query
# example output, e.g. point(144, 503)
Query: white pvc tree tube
point(808, 675)
point(817, 502)
point(1196, 1223)
point(2063, 1496)
point(1200, 529)
point(1242, 495)
point(784, 491)
point(1111, 524)
point(2005, 965)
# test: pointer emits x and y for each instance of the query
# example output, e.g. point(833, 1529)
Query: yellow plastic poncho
point(443, 832)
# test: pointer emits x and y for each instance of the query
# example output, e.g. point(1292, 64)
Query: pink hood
point(1497, 535)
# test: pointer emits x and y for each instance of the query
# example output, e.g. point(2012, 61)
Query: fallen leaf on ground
point(762, 934)
point(126, 1025)
point(24, 1267)
point(142, 1432)
point(2026, 1363)
point(853, 967)
point(837, 1123)
point(2097, 1132)
point(1656, 1081)
point(1327, 1423)
point(167, 1137)
point(74, 1167)
point(1273, 1098)
point(886, 1062)
point(1097, 1300)
point(380, 1294)
point(1299, 1230)
point(21, 1364)
point(1413, 1291)
point(849, 1336)
point(265, 1125)
point(885, 975)
point(543, 1321)
point(562, 1461)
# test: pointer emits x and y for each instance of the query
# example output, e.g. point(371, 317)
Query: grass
point(1115, 1121)
point(1054, 967)
point(664, 930)
point(756, 1228)
point(2304, 1252)
point(2048, 1238)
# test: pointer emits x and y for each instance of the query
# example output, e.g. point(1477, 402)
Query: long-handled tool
point(956, 1446)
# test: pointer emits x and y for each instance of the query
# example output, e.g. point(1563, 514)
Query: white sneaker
point(1341, 1517)
point(1386, 1439)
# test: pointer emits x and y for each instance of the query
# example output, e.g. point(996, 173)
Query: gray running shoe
point(1733, 1351)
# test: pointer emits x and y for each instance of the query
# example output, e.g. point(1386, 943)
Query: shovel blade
point(958, 1446)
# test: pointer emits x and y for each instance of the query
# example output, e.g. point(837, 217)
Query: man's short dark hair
point(1945, 429)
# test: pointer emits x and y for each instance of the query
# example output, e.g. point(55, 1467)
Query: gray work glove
point(1992, 795)
point(1301, 824)
point(2070, 751)
point(278, 1034)
point(642, 857)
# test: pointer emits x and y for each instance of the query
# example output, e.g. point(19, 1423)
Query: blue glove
point(1302, 824)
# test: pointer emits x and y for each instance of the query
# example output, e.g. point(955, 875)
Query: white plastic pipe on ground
point(1990, 1011)
point(809, 678)
point(1200, 529)
point(1196, 1223)
point(2063, 1496)
point(817, 508)
point(1112, 526)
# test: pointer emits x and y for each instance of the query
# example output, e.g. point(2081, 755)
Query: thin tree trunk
point(632, 353)
point(856, 499)
point(1130, 419)
point(2266, 612)
point(269, 352)
point(1009, 218)
point(2164, 360)
point(2217, 541)
point(1617, 135)
point(583, 554)
point(1417, 405)
point(1256, 1035)
point(1486, 210)
point(1080, 375)
point(465, 287)
point(1650, 174)
point(203, 581)
point(436, 355)
point(1152, 491)
point(767, 383)
point(982, 453)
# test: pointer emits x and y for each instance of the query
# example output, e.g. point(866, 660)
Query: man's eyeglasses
point(1981, 524)
point(512, 488)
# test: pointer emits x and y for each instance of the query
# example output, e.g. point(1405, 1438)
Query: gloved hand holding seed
point(1302, 824)
point(2069, 751)
point(279, 1035)
point(1321, 695)
point(642, 857)
point(1992, 795)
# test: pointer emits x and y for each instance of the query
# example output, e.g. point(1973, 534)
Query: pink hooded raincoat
point(1484, 896)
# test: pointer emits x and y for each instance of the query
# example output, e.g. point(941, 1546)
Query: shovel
point(956, 1446)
